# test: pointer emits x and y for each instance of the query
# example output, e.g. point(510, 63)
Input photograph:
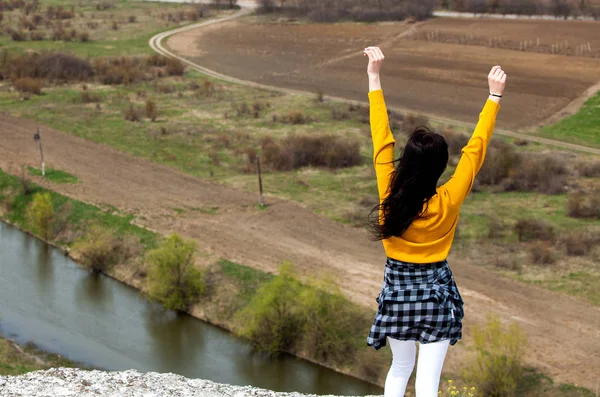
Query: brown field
point(435, 78)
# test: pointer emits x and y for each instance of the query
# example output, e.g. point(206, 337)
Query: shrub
point(132, 19)
point(40, 215)
point(495, 228)
point(590, 169)
point(497, 369)
point(584, 205)
point(175, 67)
point(339, 114)
point(533, 229)
point(28, 85)
point(37, 36)
point(157, 60)
point(500, 160)
point(115, 25)
point(543, 173)
point(580, 243)
point(318, 151)
point(294, 117)
point(87, 97)
point(332, 325)
point(174, 280)
point(17, 35)
point(26, 184)
point(412, 121)
point(151, 110)
point(541, 253)
point(132, 113)
point(272, 321)
point(84, 37)
point(98, 249)
point(456, 141)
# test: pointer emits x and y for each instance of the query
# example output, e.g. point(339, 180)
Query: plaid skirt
point(418, 302)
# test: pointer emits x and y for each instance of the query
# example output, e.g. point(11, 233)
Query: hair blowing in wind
point(413, 183)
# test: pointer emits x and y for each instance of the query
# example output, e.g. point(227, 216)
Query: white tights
point(431, 360)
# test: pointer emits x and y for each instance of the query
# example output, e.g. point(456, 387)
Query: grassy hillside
point(582, 128)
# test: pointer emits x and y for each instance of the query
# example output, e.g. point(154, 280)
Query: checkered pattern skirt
point(417, 302)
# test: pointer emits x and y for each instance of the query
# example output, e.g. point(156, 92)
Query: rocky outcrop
point(67, 382)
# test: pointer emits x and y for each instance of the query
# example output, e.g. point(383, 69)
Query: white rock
point(67, 382)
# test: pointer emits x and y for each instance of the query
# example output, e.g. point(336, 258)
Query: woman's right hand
point(497, 80)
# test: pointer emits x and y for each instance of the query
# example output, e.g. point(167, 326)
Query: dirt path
point(564, 333)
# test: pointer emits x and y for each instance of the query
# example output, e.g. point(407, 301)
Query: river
point(92, 319)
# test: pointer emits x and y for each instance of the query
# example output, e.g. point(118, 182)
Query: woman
point(416, 220)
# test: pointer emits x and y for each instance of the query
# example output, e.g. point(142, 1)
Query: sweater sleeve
point(473, 155)
point(383, 142)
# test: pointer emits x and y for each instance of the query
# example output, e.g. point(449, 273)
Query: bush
point(533, 229)
point(318, 151)
point(295, 117)
point(580, 243)
point(332, 325)
point(157, 60)
point(584, 205)
point(272, 321)
point(542, 254)
point(456, 141)
point(87, 97)
point(495, 228)
point(151, 110)
point(412, 121)
point(497, 369)
point(17, 35)
point(132, 19)
point(590, 169)
point(132, 114)
point(84, 37)
point(37, 36)
point(175, 67)
point(358, 10)
point(499, 163)
point(543, 173)
point(98, 249)
point(28, 85)
point(40, 215)
point(174, 280)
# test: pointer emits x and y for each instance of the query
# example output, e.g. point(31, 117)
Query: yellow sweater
point(430, 237)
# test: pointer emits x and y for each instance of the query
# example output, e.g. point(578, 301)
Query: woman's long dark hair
point(413, 183)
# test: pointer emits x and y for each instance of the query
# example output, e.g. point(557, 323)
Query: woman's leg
point(403, 362)
point(429, 369)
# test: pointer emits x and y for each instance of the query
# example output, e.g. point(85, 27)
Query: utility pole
point(38, 139)
point(260, 185)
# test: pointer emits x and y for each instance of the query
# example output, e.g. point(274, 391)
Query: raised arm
point(473, 155)
point(383, 140)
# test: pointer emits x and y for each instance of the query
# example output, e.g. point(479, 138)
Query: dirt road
point(564, 334)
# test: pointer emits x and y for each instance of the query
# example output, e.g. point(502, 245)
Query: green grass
point(129, 39)
point(246, 278)
point(53, 175)
point(582, 128)
point(78, 216)
point(15, 362)
point(582, 284)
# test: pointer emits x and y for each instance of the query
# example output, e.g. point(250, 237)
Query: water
point(49, 300)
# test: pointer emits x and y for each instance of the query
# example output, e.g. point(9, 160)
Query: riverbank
point(17, 360)
point(230, 287)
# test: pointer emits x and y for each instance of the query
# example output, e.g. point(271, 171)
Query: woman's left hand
point(376, 58)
